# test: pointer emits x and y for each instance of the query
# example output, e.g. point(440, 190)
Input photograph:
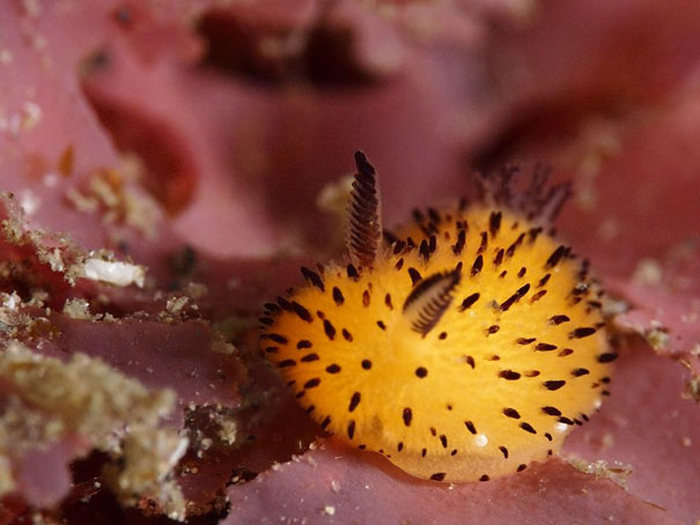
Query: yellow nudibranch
point(461, 349)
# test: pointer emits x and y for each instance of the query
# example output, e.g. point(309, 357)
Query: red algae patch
point(333, 480)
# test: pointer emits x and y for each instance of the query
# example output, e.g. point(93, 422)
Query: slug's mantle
point(461, 348)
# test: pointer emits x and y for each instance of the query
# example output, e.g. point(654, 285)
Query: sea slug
point(461, 348)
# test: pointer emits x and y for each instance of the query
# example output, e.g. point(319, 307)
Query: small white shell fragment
point(113, 272)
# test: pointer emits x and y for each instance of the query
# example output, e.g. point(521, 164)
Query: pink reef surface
point(204, 142)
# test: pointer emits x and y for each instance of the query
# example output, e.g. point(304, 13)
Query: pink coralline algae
point(167, 169)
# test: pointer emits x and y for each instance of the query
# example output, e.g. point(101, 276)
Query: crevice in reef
point(169, 174)
point(322, 52)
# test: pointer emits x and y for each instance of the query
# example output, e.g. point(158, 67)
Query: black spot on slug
point(515, 297)
point(312, 383)
point(354, 401)
point(423, 250)
point(478, 265)
point(559, 319)
point(511, 249)
point(461, 240)
point(415, 275)
point(495, 223)
point(277, 338)
point(582, 332)
point(554, 384)
point(484, 243)
point(407, 416)
point(539, 295)
point(556, 256)
point(528, 427)
point(338, 296)
point(352, 272)
point(399, 246)
point(551, 411)
point(469, 301)
point(329, 329)
point(313, 278)
point(302, 312)
point(499, 257)
point(512, 413)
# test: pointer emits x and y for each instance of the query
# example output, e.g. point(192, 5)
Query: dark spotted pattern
point(343, 342)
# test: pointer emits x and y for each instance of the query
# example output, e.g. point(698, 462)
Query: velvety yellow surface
point(477, 412)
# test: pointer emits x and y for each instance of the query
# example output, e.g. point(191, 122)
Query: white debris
point(480, 440)
point(29, 202)
point(77, 309)
point(113, 272)
point(648, 272)
point(10, 301)
point(31, 115)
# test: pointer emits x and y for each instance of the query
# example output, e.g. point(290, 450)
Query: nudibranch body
point(462, 349)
